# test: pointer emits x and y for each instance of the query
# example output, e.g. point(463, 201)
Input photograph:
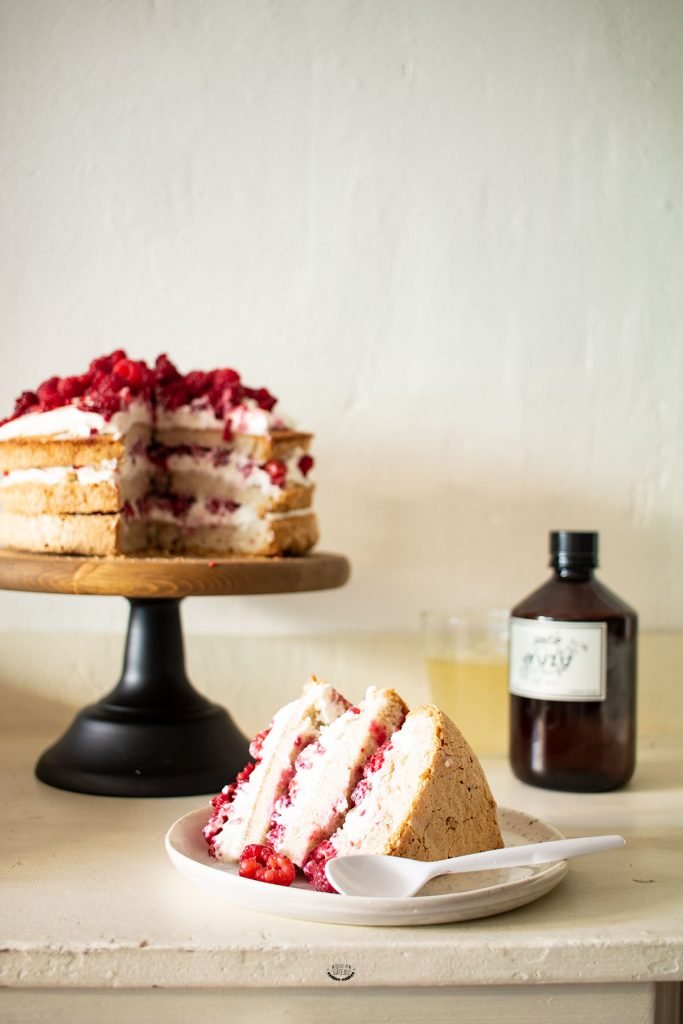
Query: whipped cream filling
point(209, 513)
point(108, 471)
point(238, 471)
point(246, 418)
point(133, 476)
point(68, 422)
point(392, 788)
point(327, 772)
point(293, 727)
point(51, 476)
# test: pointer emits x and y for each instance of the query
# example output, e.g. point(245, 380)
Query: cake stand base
point(153, 735)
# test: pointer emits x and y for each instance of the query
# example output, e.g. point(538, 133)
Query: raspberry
point(197, 383)
point(277, 471)
point(314, 868)
point(360, 791)
point(377, 760)
point(224, 378)
point(105, 364)
point(179, 504)
point(305, 464)
point(158, 454)
point(47, 391)
point(277, 832)
point(226, 398)
point(220, 456)
point(131, 372)
point(175, 395)
point(245, 773)
point(378, 733)
point(26, 401)
point(165, 371)
point(256, 745)
point(225, 392)
point(264, 865)
point(73, 387)
point(103, 399)
point(263, 398)
point(372, 765)
point(221, 806)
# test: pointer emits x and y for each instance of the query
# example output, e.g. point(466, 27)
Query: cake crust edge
point(445, 820)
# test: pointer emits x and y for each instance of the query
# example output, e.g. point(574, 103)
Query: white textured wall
point(447, 233)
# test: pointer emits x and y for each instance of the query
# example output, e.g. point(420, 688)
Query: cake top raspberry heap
point(112, 383)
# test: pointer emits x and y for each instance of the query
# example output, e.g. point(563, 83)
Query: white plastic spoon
point(375, 875)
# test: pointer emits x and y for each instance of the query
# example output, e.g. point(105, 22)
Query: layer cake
point(128, 459)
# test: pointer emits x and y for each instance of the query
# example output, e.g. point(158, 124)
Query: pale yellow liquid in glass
point(475, 695)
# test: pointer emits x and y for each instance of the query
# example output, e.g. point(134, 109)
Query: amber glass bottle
point(572, 672)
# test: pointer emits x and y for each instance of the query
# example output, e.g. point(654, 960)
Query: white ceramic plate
point(451, 898)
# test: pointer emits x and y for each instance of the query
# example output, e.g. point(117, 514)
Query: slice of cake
point(125, 459)
point(243, 812)
point(375, 780)
point(326, 773)
point(423, 796)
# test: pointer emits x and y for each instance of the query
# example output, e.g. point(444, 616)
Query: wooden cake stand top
point(167, 577)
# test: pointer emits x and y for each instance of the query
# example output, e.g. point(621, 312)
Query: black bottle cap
point(573, 549)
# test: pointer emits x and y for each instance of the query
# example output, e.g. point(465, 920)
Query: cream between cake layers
point(327, 772)
point(243, 811)
point(125, 458)
point(423, 795)
point(372, 780)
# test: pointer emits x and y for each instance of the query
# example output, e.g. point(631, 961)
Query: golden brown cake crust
point(44, 452)
point(292, 536)
point(278, 445)
point(65, 498)
point(453, 811)
point(291, 499)
point(72, 534)
point(112, 534)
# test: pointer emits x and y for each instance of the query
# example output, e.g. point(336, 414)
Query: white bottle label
point(558, 660)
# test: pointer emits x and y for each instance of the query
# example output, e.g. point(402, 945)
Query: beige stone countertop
point(90, 900)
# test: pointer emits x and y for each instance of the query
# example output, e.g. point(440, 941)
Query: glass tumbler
point(467, 670)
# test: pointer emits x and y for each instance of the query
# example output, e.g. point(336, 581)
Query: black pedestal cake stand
point(154, 734)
